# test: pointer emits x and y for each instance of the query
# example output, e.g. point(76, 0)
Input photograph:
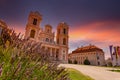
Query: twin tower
point(58, 48)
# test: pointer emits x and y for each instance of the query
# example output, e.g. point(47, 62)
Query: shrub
point(75, 61)
point(86, 62)
point(69, 61)
point(110, 64)
point(26, 60)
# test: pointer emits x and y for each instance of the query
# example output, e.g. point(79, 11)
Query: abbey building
point(93, 54)
point(57, 48)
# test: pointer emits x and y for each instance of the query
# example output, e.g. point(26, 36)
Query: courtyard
point(97, 73)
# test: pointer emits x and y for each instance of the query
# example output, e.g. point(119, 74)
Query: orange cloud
point(101, 34)
point(97, 31)
point(18, 29)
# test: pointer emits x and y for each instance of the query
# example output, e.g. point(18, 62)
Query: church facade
point(57, 46)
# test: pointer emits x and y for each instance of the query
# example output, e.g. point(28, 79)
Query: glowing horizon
point(90, 23)
point(92, 34)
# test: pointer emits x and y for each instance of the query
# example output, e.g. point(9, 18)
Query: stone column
point(55, 54)
point(60, 54)
point(50, 52)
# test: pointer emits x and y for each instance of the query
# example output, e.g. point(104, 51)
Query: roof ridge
point(87, 49)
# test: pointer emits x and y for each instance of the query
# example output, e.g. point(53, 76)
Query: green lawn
point(76, 75)
point(118, 70)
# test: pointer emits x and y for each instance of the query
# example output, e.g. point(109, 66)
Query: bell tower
point(62, 40)
point(33, 25)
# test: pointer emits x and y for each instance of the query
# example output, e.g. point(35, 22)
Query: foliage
point(117, 70)
point(86, 62)
point(24, 59)
point(69, 61)
point(75, 61)
point(76, 75)
point(110, 64)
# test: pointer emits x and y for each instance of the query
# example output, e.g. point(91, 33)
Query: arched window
point(57, 54)
point(32, 33)
point(97, 57)
point(58, 41)
point(98, 63)
point(64, 41)
point(48, 30)
point(58, 31)
point(64, 31)
point(47, 40)
point(35, 21)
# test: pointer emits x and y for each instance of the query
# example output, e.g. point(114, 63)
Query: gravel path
point(97, 73)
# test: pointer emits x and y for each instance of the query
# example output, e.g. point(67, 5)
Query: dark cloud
point(74, 12)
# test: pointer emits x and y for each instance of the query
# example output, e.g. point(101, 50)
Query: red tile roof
point(89, 48)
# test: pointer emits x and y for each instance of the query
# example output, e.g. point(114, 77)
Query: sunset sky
point(91, 21)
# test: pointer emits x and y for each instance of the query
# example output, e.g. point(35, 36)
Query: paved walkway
point(97, 73)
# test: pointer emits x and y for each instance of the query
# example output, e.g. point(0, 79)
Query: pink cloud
point(97, 31)
point(101, 34)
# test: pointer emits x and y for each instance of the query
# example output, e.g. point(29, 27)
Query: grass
point(115, 70)
point(76, 75)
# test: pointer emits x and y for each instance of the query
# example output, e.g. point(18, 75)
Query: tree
point(86, 62)
point(69, 61)
point(110, 64)
point(75, 61)
point(26, 60)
